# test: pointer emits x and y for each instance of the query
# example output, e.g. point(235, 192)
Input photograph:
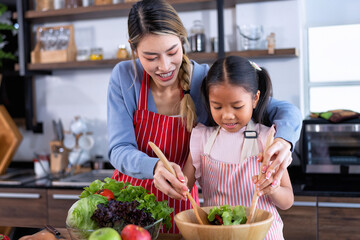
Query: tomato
point(219, 219)
point(106, 193)
point(4, 237)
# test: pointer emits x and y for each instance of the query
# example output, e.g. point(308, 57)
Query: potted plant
point(4, 26)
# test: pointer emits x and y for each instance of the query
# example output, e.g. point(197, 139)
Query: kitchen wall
point(70, 93)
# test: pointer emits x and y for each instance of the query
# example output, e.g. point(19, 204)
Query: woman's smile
point(166, 76)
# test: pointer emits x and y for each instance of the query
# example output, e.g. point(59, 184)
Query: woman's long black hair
point(238, 71)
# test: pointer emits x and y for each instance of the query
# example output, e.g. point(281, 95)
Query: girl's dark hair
point(238, 71)
point(160, 18)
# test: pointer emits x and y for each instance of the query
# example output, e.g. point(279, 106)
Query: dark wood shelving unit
point(106, 63)
point(198, 57)
point(263, 53)
point(108, 11)
point(120, 10)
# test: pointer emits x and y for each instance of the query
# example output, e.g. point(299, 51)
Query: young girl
point(223, 157)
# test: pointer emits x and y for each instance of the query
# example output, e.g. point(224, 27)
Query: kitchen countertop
point(162, 236)
point(303, 185)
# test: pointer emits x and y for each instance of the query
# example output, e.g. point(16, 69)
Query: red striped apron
point(171, 136)
point(230, 183)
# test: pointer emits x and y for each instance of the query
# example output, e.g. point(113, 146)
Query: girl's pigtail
point(187, 106)
point(265, 87)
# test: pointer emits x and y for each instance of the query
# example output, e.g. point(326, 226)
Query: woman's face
point(161, 57)
point(231, 106)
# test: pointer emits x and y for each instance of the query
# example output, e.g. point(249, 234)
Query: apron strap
point(250, 145)
point(211, 141)
point(144, 92)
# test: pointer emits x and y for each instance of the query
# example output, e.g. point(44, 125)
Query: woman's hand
point(279, 157)
point(174, 187)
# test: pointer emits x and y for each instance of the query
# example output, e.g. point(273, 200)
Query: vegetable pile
point(227, 216)
point(116, 214)
point(110, 203)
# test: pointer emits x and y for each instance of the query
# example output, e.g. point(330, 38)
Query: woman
point(157, 98)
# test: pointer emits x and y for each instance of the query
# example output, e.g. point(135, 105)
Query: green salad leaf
point(79, 215)
point(108, 183)
point(229, 216)
point(158, 209)
point(125, 192)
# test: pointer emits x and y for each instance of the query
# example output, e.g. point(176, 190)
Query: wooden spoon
point(200, 214)
point(269, 141)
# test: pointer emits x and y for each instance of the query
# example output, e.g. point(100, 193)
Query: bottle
point(197, 39)
point(96, 54)
point(122, 52)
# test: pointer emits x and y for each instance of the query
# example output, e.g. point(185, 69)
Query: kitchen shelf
point(107, 11)
point(120, 9)
point(198, 57)
point(263, 53)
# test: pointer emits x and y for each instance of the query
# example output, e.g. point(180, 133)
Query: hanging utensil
point(200, 214)
point(55, 129)
point(269, 141)
point(61, 130)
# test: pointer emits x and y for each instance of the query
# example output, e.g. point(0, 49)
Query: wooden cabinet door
point(300, 221)
point(59, 202)
point(339, 218)
point(23, 207)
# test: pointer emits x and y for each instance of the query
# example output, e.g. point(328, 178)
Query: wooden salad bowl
point(191, 230)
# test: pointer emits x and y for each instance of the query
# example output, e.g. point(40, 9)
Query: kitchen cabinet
point(35, 207)
point(59, 202)
point(23, 207)
point(300, 221)
point(322, 218)
point(26, 17)
point(338, 218)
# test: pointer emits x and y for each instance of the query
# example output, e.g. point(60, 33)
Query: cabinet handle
point(304, 204)
point(339, 205)
point(20, 195)
point(66, 196)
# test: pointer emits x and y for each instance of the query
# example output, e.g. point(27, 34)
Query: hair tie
point(255, 66)
point(186, 91)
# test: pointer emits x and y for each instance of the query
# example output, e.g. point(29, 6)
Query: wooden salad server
point(200, 214)
point(269, 141)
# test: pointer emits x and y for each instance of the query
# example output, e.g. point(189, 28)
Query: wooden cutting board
point(10, 139)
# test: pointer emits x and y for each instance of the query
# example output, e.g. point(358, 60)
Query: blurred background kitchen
point(55, 92)
point(67, 93)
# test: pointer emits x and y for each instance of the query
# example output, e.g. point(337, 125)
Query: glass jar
point(197, 38)
point(72, 3)
point(96, 54)
point(82, 55)
point(122, 52)
point(44, 5)
point(58, 4)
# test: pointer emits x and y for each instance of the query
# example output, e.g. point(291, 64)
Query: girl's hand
point(174, 187)
point(265, 186)
point(279, 157)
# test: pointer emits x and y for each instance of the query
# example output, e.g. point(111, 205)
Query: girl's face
point(161, 57)
point(231, 106)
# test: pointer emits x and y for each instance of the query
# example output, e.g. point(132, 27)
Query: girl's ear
point(256, 99)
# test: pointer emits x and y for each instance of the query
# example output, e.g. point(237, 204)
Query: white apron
point(230, 183)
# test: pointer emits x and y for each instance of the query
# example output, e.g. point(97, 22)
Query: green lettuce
point(229, 216)
point(79, 215)
point(125, 192)
point(108, 183)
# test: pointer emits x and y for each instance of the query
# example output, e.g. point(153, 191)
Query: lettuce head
point(79, 215)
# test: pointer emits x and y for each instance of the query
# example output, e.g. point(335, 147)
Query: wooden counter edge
point(162, 236)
